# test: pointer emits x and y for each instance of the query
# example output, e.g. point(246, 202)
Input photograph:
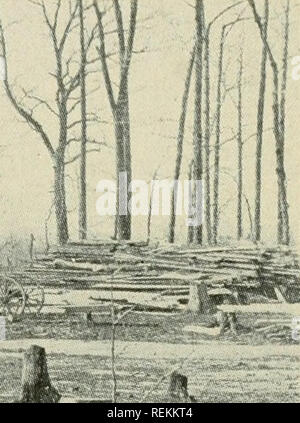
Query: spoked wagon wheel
point(35, 298)
point(12, 297)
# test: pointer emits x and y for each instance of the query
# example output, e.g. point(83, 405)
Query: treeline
point(85, 28)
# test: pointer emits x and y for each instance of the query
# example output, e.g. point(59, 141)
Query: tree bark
point(285, 230)
point(260, 125)
point(60, 200)
point(180, 139)
point(197, 138)
point(190, 233)
point(123, 104)
point(217, 143)
point(240, 153)
point(149, 220)
point(36, 384)
point(123, 216)
point(207, 138)
point(199, 300)
point(178, 387)
point(82, 179)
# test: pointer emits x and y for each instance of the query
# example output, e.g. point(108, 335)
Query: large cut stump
point(178, 389)
point(36, 384)
point(178, 386)
point(199, 300)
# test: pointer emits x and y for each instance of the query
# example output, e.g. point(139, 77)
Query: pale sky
point(165, 30)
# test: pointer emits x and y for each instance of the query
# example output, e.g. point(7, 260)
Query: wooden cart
point(17, 298)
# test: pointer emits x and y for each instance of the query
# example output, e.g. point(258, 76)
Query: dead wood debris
point(143, 268)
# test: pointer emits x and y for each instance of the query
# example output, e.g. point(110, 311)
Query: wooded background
point(164, 39)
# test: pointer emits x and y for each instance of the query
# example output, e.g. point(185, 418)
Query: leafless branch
point(37, 126)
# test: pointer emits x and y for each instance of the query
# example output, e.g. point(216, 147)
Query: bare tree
point(224, 33)
point(285, 230)
point(190, 234)
point(66, 84)
point(207, 134)
point(207, 131)
point(260, 128)
point(240, 151)
point(180, 139)
point(217, 142)
point(82, 212)
point(283, 236)
point(120, 104)
point(198, 136)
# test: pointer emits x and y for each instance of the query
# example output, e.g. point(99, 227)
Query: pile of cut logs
point(170, 270)
point(137, 262)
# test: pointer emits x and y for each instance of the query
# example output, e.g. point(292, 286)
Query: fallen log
point(139, 287)
point(62, 264)
point(121, 305)
point(107, 268)
point(262, 323)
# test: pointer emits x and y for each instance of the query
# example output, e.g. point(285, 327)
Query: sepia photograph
point(149, 186)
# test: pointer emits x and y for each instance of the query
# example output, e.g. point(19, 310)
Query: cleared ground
point(149, 347)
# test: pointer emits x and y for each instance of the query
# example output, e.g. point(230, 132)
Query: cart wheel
point(12, 297)
point(35, 298)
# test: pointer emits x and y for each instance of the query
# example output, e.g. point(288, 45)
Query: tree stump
point(223, 321)
point(199, 300)
point(178, 390)
point(227, 321)
point(36, 384)
point(232, 323)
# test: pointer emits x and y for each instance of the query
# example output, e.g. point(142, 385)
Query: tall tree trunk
point(123, 229)
point(61, 211)
point(120, 110)
point(217, 143)
point(285, 230)
point(82, 181)
point(283, 218)
point(124, 100)
point(180, 139)
point(197, 139)
point(60, 200)
point(207, 137)
point(149, 221)
point(240, 153)
point(190, 233)
point(207, 180)
point(260, 128)
point(283, 213)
